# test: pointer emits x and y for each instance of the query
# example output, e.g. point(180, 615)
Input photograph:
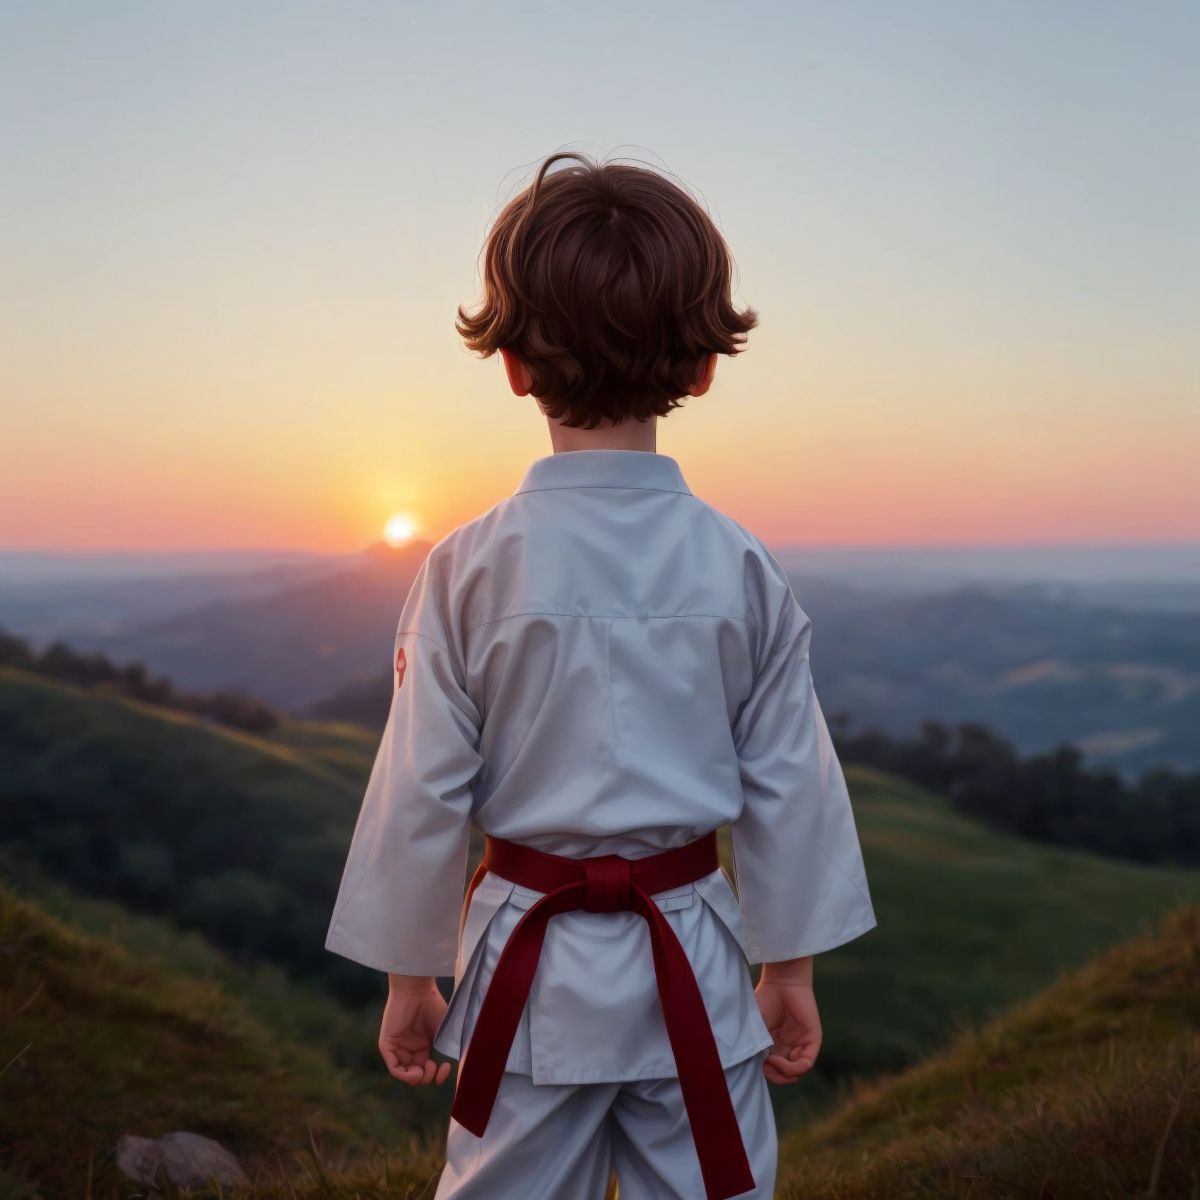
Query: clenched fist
point(411, 1016)
point(789, 1008)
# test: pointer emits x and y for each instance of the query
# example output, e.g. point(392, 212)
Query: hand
point(411, 1016)
point(789, 1008)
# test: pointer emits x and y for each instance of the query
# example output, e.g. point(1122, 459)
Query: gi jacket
point(602, 663)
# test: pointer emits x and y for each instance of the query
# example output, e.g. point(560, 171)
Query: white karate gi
point(602, 663)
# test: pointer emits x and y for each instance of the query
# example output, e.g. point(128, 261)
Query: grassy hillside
point(238, 837)
point(291, 1010)
point(243, 839)
point(1088, 1091)
point(95, 1042)
point(971, 920)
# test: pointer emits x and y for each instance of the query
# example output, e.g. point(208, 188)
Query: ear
point(519, 378)
point(705, 378)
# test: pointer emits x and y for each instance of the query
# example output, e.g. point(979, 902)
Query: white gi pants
point(559, 1141)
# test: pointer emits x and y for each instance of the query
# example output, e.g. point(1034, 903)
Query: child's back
point(602, 664)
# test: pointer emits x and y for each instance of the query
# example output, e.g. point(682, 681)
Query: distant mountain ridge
point(101, 596)
point(291, 646)
point(1123, 686)
point(1038, 667)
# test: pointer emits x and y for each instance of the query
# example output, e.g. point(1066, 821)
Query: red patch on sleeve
point(401, 663)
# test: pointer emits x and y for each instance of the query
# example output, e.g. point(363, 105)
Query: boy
point(599, 672)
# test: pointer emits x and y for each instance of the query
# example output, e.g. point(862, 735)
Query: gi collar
point(645, 469)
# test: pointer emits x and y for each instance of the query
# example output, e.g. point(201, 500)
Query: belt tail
point(483, 1065)
point(720, 1149)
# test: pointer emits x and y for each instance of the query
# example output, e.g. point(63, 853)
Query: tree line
point(227, 706)
point(1050, 797)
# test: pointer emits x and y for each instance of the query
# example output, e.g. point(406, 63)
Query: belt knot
point(609, 883)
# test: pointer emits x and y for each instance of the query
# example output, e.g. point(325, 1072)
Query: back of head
point(612, 285)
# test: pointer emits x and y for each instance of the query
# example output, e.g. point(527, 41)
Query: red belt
point(608, 884)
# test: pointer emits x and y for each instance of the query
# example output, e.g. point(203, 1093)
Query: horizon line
point(266, 551)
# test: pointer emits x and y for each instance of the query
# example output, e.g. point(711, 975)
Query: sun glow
point(399, 529)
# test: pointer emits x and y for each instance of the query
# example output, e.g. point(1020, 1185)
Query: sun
point(399, 529)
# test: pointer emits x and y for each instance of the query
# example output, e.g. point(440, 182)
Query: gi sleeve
point(401, 892)
point(802, 885)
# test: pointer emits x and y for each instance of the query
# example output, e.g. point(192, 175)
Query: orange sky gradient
point(228, 282)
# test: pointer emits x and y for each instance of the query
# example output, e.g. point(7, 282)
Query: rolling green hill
point(970, 920)
point(233, 835)
point(96, 1042)
point(1088, 1091)
point(243, 839)
point(294, 1011)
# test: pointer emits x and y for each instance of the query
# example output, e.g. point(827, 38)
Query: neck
point(628, 435)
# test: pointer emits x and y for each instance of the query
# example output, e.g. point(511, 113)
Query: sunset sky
point(233, 237)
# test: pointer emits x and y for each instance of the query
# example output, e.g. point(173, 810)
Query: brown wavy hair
point(612, 285)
